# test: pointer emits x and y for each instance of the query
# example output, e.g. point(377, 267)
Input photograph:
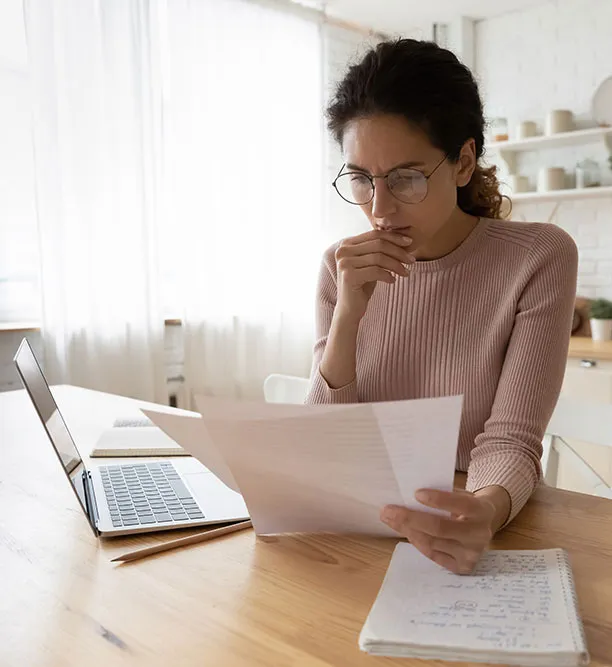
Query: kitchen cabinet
point(588, 377)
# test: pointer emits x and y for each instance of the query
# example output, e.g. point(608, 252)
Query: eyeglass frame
point(371, 178)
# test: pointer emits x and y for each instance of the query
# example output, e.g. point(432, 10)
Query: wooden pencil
point(181, 542)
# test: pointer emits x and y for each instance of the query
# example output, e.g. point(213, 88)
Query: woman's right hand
point(364, 260)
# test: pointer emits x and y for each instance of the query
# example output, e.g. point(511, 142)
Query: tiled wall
point(554, 56)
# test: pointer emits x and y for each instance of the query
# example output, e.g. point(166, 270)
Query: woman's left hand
point(455, 542)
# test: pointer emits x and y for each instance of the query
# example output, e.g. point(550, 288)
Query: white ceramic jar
point(526, 129)
point(518, 183)
point(551, 178)
point(559, 120)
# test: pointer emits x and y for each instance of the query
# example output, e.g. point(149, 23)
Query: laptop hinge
point(90, 502)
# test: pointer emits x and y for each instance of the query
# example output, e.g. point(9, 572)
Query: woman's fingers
point(441, 526)
point(402, 240)
point(375, 259)
point(451, 554)
point(462, 503)
point(369, 274)
point(453, 543)
point(378, 246)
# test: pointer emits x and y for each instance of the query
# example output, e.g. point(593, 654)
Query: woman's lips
point(401, 230)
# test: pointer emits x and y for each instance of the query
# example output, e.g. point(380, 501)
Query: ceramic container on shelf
point(525, 129)
point(601, 108)
point(559, 120)
point(518, 183)
point(588, 174)
point(551, 178)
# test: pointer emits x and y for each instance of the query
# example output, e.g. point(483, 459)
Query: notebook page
point(142, 440)
point(514, 601)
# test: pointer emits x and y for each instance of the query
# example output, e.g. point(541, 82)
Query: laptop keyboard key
point(147, 519)
point(180, 489)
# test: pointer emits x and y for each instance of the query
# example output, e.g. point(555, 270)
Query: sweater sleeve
point(320, 391)
point(509, 450)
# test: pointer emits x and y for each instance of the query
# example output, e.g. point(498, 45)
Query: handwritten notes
point(514, 601)
point(505, 603)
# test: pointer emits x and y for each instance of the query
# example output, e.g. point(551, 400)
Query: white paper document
point(323, 468)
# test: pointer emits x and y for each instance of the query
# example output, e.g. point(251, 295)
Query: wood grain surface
point(235, 601)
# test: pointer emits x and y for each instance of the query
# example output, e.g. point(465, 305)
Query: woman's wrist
point(346, 319)
point(501, 501)
point(338, 365)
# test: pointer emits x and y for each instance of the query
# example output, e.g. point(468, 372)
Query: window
point(19, 295)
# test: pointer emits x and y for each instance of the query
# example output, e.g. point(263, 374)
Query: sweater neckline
point(455, 256)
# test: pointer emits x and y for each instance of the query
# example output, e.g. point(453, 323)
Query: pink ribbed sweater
point(490, 320)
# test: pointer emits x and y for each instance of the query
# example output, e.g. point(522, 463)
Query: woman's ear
point(466, 163)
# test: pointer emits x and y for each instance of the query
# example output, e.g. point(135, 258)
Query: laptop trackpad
point(216, 500)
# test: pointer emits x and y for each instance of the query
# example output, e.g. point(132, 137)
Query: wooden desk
point(239, 601)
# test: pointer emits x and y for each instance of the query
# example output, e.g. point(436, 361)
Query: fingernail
point(406, 240)
point(422, 496)
point(389, 514)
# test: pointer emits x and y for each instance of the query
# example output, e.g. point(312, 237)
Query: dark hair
point(432, 89)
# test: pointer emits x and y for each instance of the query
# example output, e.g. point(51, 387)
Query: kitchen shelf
point(563, 195)
point(19, 326)
point(574, 138)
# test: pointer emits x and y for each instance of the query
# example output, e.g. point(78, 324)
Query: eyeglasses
point(406, 184)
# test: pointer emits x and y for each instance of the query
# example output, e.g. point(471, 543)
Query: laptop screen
point(38, 389)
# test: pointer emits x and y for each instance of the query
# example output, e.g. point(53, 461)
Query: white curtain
point(244, 136)
point(97, 148)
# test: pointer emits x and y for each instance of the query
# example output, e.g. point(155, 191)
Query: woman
point(442, 297)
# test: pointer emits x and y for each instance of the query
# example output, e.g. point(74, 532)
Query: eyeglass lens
point(408, 185)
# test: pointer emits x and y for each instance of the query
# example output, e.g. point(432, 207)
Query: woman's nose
point(383, 203)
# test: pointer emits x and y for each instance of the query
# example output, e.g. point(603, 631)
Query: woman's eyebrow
point(403, 165)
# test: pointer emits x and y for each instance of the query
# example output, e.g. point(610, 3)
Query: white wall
point(554, 56)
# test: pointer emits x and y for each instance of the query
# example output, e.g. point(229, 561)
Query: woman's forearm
point(339, 361)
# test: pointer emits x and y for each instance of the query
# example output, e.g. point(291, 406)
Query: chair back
point(285, 388)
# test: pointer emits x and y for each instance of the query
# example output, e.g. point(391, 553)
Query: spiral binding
point(571, 600)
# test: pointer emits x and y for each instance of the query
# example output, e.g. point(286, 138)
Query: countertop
point(582, 347)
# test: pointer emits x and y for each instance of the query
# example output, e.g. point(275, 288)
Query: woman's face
point(378, 144)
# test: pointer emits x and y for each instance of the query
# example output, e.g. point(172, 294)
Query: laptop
point(130, 498)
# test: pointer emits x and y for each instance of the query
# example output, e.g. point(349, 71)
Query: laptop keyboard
point(147, 493)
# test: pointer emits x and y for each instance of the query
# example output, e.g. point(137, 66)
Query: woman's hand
point(457, 541)
point(364, 260)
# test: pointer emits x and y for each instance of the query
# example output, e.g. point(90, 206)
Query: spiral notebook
point(516, 608)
